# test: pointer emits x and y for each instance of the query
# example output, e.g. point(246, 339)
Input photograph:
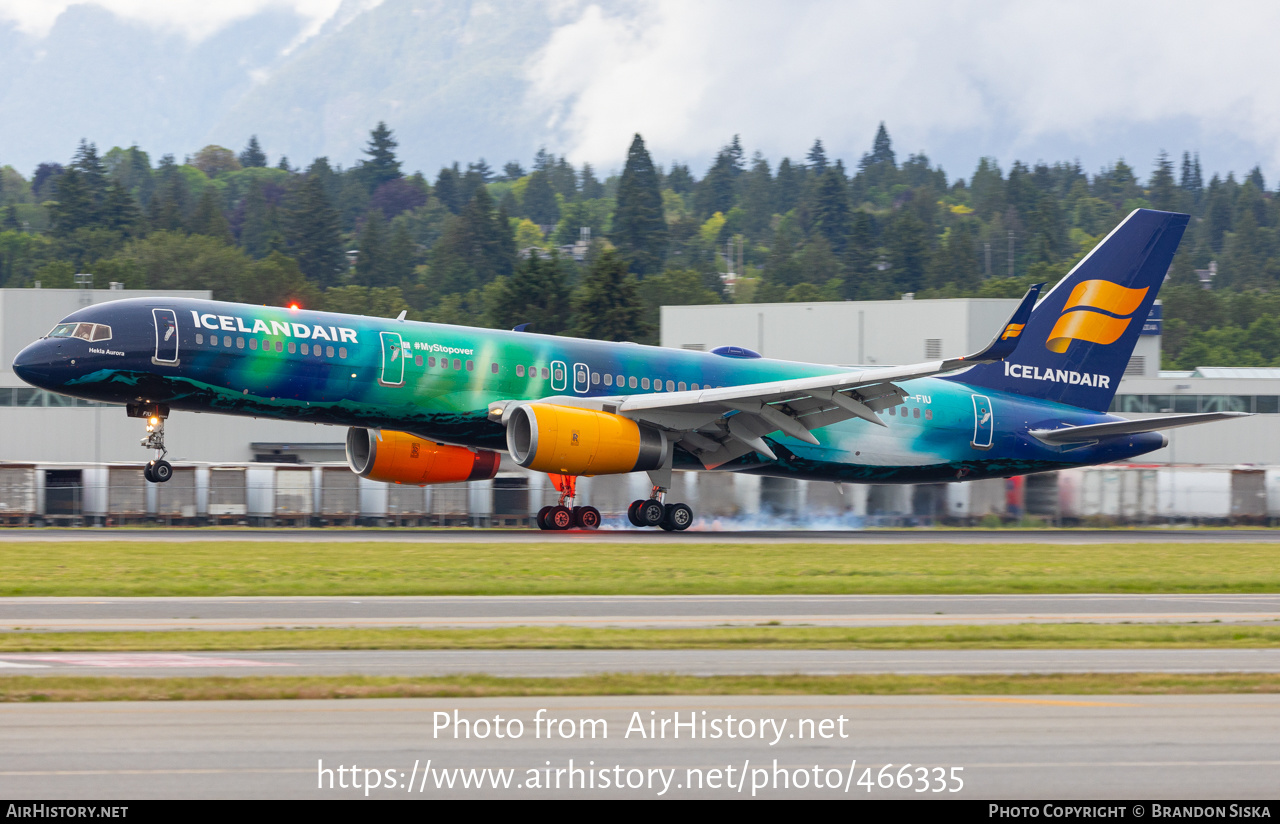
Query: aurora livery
point(431, 403)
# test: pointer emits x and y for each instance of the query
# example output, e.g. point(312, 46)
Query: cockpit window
point(84, 331)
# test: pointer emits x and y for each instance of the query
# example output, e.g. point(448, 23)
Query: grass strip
point(146, 568)
point(1018, 636)
point(251, 688)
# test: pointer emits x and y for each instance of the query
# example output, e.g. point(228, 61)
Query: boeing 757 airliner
point(428, 403)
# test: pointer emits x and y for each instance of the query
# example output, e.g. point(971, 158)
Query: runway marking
point(119, 661)
point(16, 665)
point(1049, 701)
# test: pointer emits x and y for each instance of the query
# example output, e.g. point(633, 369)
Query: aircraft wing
point(719, 425)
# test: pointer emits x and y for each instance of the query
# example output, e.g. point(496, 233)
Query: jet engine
point(398, 457)
point(571, 441)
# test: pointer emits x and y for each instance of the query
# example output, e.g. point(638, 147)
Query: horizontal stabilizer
point(1092, 432)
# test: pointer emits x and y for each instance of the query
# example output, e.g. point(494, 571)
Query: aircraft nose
point(34, 364)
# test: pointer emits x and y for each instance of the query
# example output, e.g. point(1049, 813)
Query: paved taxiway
point(700, 662)
point(667, 611)
point(708, 534)
point(1095, 747)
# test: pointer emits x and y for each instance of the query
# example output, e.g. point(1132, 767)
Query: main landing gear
point(158, 470)
point(654, 512)
point(563, 515)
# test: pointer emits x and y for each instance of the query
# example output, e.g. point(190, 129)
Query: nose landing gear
point(562, 516)
point(655, 512)
point(158, 470)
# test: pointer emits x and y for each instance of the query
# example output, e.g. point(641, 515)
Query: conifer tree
point(607, 305)
point(1162, 188)
point(253, 157)
point(257, 230)
point(313, 234)
point(537, 293)
point(817, 158)
point(639, 226)
point(382, 164)
point(540, 200)
point(371, 262)
point(207, 219)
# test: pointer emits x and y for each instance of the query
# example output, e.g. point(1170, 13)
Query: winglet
point(1007, 339)
point(521, 327)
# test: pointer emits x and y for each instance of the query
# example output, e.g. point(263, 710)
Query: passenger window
point(671, 386)
point(328, 351)
point(253, 343)
point(928, 414)
point(644, 383)
point(545, 373)
point(306, 350)
point(239, 342)
point(631, 382)
point(199, 338)
point(682, 386)
point(342, 352)
point(293, 347)
point(431, 361)
point(595, 378)
point(608, 380)
point(417, 361)
point(519, 370)
point(213, 340)
point(279, 346)
point(893, 410)
point(316, 350)
point(457, 363)
point(493, 367)
point(915, 413)
point(694, 387)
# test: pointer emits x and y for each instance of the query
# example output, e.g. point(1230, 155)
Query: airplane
point(429, 403)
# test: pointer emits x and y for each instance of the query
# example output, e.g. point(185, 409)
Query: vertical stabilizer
point(1081, 335)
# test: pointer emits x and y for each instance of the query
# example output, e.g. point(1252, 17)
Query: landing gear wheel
point(161, 471)
point(146, 473)
point(633, 513)
point(586, 517)
point(650, 512)
point(560, 517)
point(677, 517)
point(542, 517)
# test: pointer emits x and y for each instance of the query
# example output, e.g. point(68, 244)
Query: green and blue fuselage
point(438, 381)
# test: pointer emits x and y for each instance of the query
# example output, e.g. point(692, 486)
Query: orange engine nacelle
point(398, 457)
point(571, 441)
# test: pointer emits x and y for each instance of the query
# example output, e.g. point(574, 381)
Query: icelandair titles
point(1035, 373)
point(231, 323)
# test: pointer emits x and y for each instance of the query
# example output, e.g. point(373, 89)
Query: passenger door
point(166, 322)
point(558, 376)
point(984, 422)
point(581, 378)
point(392, 360)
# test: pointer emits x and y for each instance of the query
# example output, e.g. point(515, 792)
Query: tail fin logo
point(1083, 319)
point(1012, 331)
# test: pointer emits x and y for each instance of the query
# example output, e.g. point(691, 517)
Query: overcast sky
point(957, 80)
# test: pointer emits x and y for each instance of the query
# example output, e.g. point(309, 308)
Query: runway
point(693, 536)
point(673, 611)
point(700, 662)
point(1034, 747)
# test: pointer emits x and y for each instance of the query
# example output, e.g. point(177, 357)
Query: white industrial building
point(76, 461)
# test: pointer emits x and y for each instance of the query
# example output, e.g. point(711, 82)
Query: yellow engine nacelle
point(571, 441)
point(401, 458)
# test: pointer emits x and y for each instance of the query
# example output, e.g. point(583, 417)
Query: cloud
point(194, 19)
point(1007, 79)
